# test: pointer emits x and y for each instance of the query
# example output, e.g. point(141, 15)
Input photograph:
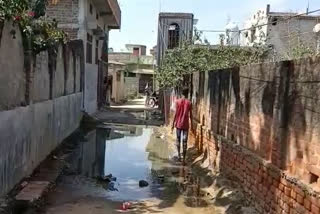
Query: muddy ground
point(130, 153)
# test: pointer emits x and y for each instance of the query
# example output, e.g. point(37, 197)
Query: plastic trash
point(143, 183)
point(125, 206)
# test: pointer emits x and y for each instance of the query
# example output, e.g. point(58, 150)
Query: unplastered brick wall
point(260, 124)
point(66, 13)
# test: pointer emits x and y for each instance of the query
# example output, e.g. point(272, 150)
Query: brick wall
point(260, 124)
point(66, 13)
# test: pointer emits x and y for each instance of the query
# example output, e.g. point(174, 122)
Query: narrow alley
point(130, 154)
point(159, 106)
point(101, 167)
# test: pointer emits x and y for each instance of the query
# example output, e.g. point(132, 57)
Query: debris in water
point(161, 178)
point(24, 184)
point(126, 206)
point(143, 183)
point(111, 187)
point(108, 178)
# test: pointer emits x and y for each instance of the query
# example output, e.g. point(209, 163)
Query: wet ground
point(129, 153)
point(132, 112)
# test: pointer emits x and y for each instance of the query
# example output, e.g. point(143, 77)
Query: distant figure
point(181, 122)
point(148, 93)
point(148, 90)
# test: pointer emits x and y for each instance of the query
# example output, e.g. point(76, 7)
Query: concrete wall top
point(12, 75)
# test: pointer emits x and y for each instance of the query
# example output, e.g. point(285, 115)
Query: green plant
point(300, 51)
point(10, 9)
point(39, 7)
point(38, 33)
point(42, 35)
point(183, 61)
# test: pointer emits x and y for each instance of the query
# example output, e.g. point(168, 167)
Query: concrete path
point(133, 112)
point(137, 104)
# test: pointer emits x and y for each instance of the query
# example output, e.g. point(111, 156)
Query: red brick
point(307, 204)
point(314, 200)
point(287, 191)
point(293, 194)
point(285, 182)
point(286, 208)
point(281, 187)
point(270, 180)
point(315, 209)
point(299, 199)
point(299, 191)
point(276, 183)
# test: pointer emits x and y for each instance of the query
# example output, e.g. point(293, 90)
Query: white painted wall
point(91, 70)
point(131, 86)
point(282, 35)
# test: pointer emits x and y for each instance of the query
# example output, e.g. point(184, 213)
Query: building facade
point(137, 50)
point(116, 82)
point(173, 30)
point(139, 69)
point(90, 21)
point(281, 32)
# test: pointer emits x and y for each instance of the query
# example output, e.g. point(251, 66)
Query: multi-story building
point(90, 21)
point(139, 71)
point(280, 31)
point(137, 50)
point(173, 30)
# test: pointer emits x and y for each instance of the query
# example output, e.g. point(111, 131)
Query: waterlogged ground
point(129, 153)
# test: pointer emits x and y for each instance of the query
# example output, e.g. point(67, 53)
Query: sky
point(140, 17)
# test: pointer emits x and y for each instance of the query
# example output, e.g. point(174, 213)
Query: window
point(97, 51)
point(136, 51)
point(91, 9)
point(253, 34)
point(131, 74)
point(174, 36)
point(89, 49)
point(274, 21)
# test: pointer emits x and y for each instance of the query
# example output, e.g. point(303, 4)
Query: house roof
point(115, 63)
point(143, 71)
point(289, 14)
point(176, 15)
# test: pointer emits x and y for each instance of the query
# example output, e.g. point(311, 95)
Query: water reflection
point(88, 159)
point(126, 159)
point(133, 153)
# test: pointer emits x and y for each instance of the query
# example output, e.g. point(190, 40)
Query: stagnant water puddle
point(130, 154)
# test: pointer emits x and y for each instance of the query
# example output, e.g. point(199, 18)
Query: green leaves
point(43, 35)
point(39, 7)
point(187, 59)
point(9, 9)
point(38, 33)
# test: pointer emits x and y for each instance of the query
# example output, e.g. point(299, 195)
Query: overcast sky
point(140, 17)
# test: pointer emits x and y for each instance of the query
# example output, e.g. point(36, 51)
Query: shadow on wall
point(261, 124)
point(43, 90)
point(269, 109)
